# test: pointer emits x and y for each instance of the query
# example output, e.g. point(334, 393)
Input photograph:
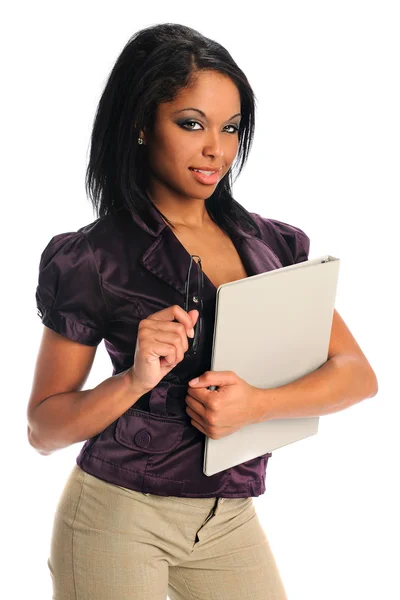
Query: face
point(197, 130)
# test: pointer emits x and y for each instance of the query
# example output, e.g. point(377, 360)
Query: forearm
point(71, 417)
point(340, 382)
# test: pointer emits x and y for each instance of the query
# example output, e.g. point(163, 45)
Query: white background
point(325, 158)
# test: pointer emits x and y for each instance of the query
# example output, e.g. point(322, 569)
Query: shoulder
point(76, 256)
point(69, 293)
point(89, 240)
point(104, 230)
point(288, 241)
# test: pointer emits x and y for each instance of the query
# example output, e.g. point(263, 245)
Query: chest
point(219, 258)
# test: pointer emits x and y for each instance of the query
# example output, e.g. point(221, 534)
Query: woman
point(138, 518)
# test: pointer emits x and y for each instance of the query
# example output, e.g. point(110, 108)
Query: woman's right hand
point(161, 344)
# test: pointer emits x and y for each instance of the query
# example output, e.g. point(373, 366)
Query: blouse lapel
point(168, 260)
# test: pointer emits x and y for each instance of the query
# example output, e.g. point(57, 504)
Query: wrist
point(133, 386)
point(262, 402)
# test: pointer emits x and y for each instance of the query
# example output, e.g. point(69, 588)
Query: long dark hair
point(155, 64)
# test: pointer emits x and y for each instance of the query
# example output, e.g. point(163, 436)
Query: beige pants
point(112, 543)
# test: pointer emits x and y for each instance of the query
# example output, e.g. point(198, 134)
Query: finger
point(174, 312)
point(196, 423)
point(196, 405)
point(176, 339)
point(160, 327)
point(160, 350)
point(214, 378)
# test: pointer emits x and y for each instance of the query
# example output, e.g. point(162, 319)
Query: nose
point(213, 145)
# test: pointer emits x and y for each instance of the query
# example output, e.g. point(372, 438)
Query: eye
point(186, 125)
point(235, 128)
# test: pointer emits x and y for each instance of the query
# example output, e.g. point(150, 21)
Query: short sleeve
point(297, 240)
point(69, 294)
point(289, 242)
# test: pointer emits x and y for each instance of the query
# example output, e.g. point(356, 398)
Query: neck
point(191, 214)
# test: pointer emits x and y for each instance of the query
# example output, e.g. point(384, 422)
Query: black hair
point(154, 65)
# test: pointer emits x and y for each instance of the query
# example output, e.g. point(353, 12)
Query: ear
point(143, 133)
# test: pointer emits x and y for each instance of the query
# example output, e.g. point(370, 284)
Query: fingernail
point(194, 381)
point(191, 333)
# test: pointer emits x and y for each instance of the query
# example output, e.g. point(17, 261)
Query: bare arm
point(59, 413)
point(344, 379)
point(339, 383)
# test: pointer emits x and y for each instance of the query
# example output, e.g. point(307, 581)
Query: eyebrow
point(203, 114)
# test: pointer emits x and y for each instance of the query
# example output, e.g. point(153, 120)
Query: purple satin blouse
point(98, 283)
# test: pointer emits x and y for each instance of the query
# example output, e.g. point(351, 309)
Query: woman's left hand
point(218, 413)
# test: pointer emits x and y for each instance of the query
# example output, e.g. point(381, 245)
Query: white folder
point(271, 329)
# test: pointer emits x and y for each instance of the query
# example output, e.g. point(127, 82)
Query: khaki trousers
point(113, 543)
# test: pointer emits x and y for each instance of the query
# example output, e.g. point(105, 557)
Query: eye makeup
point(184, 122)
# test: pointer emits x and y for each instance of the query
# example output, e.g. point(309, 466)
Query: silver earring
point(140, 140)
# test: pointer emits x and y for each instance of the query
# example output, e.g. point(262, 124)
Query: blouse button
point(195, 299)
point(142, 438)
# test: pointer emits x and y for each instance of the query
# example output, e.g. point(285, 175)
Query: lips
point(207, 177)
point(206, 169)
